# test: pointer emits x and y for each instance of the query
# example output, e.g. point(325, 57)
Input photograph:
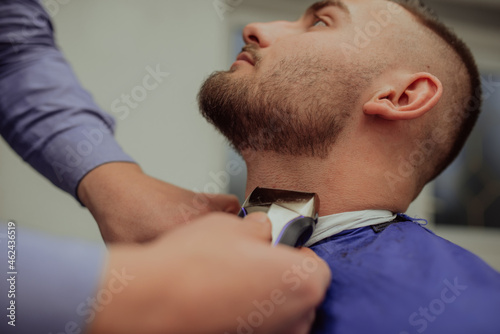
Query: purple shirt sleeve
point(50, 285)
point(45, 114)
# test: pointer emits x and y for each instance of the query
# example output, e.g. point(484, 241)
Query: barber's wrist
point(134, 306)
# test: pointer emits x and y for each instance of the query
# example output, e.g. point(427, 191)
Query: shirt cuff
point(71, 155)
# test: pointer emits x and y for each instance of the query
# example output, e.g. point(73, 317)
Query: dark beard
point(286, 115)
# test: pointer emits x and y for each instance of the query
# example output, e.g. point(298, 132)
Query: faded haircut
point(469, 106)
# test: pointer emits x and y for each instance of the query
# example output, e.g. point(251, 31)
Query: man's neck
point(341, 187)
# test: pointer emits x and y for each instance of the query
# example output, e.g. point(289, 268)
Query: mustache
point(253, 50)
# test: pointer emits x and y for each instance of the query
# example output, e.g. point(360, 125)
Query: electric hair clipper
point(293, 214)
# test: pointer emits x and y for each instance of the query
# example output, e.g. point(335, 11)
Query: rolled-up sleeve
point(49, 284)
point(45, 114)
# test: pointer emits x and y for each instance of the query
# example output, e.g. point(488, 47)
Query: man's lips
point(245, 56)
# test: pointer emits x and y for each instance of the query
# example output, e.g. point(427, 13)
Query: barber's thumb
point(225, 203)
point(258, 225)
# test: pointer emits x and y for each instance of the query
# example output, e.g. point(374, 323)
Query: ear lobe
point(414, 97)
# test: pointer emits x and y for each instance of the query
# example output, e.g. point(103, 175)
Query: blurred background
point(112, 43)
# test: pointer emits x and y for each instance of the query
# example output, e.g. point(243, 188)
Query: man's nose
point(265, 34)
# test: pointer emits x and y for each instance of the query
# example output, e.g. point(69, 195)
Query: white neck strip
point(334, 224)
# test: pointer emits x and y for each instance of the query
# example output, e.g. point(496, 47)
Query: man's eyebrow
point(322, 4)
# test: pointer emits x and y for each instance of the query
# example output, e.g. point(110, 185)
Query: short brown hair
point(470, 105)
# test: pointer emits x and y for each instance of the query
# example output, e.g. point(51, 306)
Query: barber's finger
point(302, 325)
point(224, 203)
point(258, 225)
point(322, 274)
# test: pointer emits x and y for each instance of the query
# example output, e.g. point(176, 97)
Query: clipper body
point(293, 214)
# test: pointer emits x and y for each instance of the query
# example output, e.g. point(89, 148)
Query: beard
point(298, 108)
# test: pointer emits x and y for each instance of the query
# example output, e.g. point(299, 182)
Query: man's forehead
point(341, 4)
point(358, 10)
point(327, 3)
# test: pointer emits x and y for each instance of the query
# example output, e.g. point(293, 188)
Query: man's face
point(296, 86)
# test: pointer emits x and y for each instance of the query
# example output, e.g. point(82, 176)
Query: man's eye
point(319, 22)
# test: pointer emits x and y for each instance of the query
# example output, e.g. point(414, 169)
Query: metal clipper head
point(293, 214)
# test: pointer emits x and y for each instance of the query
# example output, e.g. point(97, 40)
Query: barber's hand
point(130, 206)
point(216, 275)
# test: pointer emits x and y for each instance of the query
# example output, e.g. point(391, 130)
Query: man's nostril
point(253, 39)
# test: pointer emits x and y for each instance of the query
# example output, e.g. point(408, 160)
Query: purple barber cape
point(400, 278)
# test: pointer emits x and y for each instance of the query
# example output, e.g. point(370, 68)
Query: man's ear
point(411, 98)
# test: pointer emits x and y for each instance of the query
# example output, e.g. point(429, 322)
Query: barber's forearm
point(45, 114)
point(130, 206)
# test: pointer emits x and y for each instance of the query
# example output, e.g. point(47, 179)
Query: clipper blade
point(293, 214)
